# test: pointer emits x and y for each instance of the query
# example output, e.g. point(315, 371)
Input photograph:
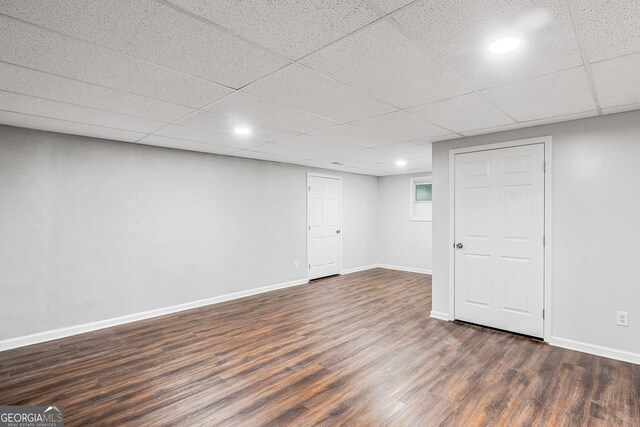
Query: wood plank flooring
point(355, 350)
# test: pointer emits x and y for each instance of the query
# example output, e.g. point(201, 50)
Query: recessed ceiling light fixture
point(401, 163)
point(242, 131)
point(504, 45)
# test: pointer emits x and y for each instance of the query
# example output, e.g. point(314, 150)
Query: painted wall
point(596, 206)
point(95, 229)
point(401, 242)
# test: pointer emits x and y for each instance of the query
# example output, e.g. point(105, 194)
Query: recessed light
point(401, 163)
point(241, 131)
point(505, 45)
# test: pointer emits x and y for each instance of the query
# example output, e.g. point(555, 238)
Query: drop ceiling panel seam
point(137, 58)
point(582, 45)
point(426, 51)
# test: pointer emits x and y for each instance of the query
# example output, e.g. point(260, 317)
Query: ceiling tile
point(57, 110)
point(296, 120)
point(389, 6)
point(257, 155)
point(290, 85)
point(54, 125)
point(611, 28)
point(243, 108)
point(538, 122)
point(315, 146)
point(32, 47)
point(401, 126)
point(345, 105)
point(372, 157)
point(459, 31)
point(557, 94)
point(354, 135)
point(35, 83)
point(383, 63)
point(208, 136)
point(465, 112)
point(405, 150)
point(618, 80)
point(227, 122)
point(302, 88)
point(181, 144)
point(291, 28)
point(152, 31)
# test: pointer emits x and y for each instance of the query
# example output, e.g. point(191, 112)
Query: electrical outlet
point(622, 318)
point(295, 264)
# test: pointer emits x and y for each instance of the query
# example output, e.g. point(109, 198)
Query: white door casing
point(324, 239)
point(499, 212)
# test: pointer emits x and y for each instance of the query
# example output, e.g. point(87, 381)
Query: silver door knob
point(459, 246)
point(337, 231)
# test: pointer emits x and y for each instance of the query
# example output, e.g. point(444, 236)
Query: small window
point(420, 202)
point(423, 192)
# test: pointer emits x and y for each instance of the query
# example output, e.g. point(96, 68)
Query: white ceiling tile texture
point(366, 90)
point(291, 28)
point(459, 32)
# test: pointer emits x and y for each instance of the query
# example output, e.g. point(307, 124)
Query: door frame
point(339, 178)
point(548, 222)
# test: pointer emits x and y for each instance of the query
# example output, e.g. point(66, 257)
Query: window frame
point(413, 182)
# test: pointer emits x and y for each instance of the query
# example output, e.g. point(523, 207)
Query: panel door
point(499, 231)
point(324, 226)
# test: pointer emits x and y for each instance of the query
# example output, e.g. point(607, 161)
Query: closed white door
point(323, 210)
point(499, 231)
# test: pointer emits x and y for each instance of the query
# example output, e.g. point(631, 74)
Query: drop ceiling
point(352, 86)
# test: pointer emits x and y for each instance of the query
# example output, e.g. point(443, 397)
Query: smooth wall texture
point(94, 229)
point(596, 206)
point(401, 242)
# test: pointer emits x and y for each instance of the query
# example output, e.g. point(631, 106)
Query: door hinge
point(544, 240)
point(309, 188)
point(309, 266)
point(543, 313)
point(309, 227)
point(544, 166)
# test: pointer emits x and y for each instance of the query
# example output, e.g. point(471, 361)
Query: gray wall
point(95, 229)
point(596, 207)
point(401, 242)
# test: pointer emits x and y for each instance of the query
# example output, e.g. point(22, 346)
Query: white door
point(499, 231)
point(323, 210)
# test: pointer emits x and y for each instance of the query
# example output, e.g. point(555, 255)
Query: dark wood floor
point(353, 350)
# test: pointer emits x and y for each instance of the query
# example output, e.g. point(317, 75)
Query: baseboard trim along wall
point(402, 268)
point(439, 315)
point(55, 334)
point(582, 347)
point(596, 350)
point(388, 267)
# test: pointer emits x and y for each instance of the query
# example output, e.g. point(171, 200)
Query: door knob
point(459, 246)
point(337, 231)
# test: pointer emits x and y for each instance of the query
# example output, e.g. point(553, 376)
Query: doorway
point(324, 238)
point(498, 244)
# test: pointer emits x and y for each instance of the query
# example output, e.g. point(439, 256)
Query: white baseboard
point(401, 268)
point(439, 315)
point(597, 350)
point(356, 269)
point(55, 334)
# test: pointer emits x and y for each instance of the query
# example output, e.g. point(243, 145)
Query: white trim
point(357, 269)
point(596, 350)
point(548, 221)
point(439, 315)
point(55, 334)
point(402, 268)
point(412, 194)
point(339, 178)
